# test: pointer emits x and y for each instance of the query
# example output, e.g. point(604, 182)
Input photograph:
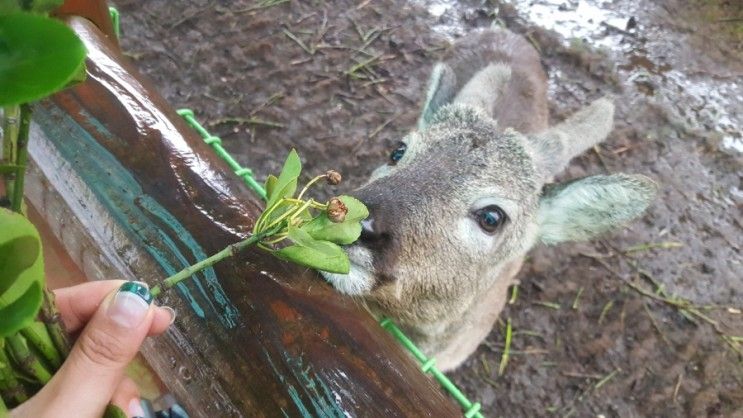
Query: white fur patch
point(359, 280)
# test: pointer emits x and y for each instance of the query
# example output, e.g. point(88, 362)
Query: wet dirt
point(341, 81)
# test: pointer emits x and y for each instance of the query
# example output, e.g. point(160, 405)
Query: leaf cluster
point(315, 239)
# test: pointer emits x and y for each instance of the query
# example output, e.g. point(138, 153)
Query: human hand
point(112, 319)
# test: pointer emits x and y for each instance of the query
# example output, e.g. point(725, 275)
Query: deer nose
point(368, 233)
point(367, 228)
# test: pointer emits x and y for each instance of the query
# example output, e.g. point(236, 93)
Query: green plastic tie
point(115, 20)
point(472, 410)
point(216, 143)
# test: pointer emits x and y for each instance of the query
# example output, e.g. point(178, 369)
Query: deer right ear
point(581, 209)
point(555, 147)
point(440, 92)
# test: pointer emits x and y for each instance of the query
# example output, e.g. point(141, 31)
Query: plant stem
point(53, 321)
point(308, 185)
point(26, 360)
point(229, 251)
point(11, 389)
point(38, 337)
point(10, 133)
point(21, 157)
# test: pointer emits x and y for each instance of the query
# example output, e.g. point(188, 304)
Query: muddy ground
point(342, 81)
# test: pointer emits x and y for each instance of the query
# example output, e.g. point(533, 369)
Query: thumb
point(87, 380)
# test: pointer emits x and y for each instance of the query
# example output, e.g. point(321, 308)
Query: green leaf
point(270, 184)
point(320, 255)
point(19, 245)
point(344, 233)
point(38, 57)
point(286, 184)
point(16, 256)
point(21, 311)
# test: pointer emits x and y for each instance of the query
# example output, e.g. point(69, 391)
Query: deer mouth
point(360, 278)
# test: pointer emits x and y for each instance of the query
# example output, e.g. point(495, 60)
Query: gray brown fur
point(482, 140)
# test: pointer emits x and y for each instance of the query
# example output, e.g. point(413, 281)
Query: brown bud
point(337, 210)
point(334, 178)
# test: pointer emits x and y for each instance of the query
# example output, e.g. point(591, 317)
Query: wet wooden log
point(132, 192)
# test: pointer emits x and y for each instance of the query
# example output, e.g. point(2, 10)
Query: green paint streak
point(137, 213)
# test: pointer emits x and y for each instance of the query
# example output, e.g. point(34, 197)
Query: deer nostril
point(367, 230)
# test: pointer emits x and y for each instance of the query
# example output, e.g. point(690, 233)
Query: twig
point(605, 309)
point(299, 42)
point(551, 305)
point(577, 299)
point(382, 126)
point(666, 245)
point(606, 379)
point(677, 387)
point(229, 251)
point(655, 324)
point(247, 121)
point(506, 350)
point(514, 294)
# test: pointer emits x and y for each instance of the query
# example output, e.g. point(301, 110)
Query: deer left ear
point(581, 209)
point(440, 92)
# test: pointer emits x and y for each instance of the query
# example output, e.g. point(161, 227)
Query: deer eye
point(490, 218)
point(398, 152)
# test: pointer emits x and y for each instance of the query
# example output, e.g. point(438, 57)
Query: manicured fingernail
point(171, 312)
point(135, 409)
point(130, 305)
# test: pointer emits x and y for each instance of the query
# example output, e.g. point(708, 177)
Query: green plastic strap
point(216, 143)
point(115, 20)
point(471, 410)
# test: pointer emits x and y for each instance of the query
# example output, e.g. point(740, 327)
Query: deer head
point(465, 196)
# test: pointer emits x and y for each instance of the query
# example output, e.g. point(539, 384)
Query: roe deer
point(463, 197)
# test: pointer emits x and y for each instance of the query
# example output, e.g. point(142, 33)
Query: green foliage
point(38, 56)
point(310, 252)
point(344, 233)
point(286, 184)
point(21, 272)
point(314, 238)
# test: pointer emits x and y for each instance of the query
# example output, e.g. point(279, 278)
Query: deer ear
point(556, 146)
point(440, 92)
point(581, 209)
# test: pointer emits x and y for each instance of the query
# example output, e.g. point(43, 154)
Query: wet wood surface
point(131, 191)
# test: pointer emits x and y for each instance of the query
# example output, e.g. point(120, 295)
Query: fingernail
point(130, 305)
point(135, 409)
point(171, 312)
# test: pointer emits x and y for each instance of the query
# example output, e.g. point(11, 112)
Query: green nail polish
point(138, 289)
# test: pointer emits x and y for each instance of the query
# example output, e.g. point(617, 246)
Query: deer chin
point(360, 279)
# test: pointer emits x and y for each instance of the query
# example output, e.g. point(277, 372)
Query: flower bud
point(337, 210)
point(334, 178)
